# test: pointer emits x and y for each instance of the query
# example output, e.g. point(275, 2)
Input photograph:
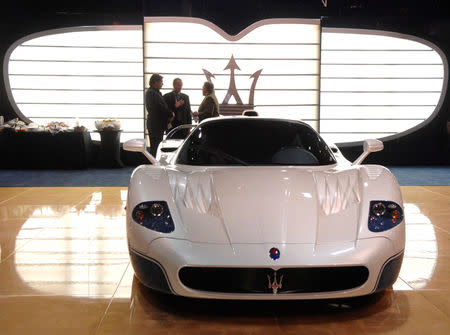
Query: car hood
point(267, 204)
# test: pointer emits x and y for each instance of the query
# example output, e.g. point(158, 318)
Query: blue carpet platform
point(65, 178)
point(406, 176)
point(422, 175)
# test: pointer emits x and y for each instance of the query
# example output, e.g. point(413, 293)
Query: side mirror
point(369, 146)
point(180, 132)
point(139, 145)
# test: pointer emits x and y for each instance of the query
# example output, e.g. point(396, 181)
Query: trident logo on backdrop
point(239, 107)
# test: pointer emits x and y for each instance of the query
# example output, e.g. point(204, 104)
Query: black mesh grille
point(256, 280)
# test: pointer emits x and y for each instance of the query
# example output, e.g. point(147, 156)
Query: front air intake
point(263, 280)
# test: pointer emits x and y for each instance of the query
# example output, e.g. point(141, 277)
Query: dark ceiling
point(233, 11)
point(424, 18)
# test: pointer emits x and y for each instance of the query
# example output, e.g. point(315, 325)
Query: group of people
point(173, 109)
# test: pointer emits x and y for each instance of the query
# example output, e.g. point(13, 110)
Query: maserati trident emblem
point(274, 285)
point(239, 107)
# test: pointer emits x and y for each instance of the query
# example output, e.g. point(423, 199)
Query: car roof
point(246, 118)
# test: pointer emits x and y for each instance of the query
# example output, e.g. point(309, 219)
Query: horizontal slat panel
point(419, 85)
point(356, 41)
point(261, 97)
point(349, 137)
point(349, 126)
point(218, 66)
point(381, 57)
point(76, 97)
point(58, 68)
point(375, 112)
point(294, 112)
point(223, 51)
point(85, 110)
point(313, 124)
point(92, 38)
point(242, 82)
point(379, 98)
point(77, 54)
point(383, 71)
point(68, 82)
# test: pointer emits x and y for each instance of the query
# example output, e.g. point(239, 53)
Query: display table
point(44, 150)
point(110, 149)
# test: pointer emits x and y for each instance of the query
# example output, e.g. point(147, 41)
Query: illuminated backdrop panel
point(87, 73)
point(375, 86)
point(349, 84)
point(285, 51)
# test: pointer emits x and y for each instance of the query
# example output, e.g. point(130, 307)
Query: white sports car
point(259, 208)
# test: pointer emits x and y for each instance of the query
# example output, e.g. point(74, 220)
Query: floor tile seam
point(29, 240)
point(111, 301)
point(23, 246)
point(439, 310)
point(15, 196)
point(441, 229)
point(405, 282)
point(436, 192)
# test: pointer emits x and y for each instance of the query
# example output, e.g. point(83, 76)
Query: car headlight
point(384, 215)
point(154, 215)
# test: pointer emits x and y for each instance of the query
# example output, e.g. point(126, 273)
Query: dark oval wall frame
point(344, 145)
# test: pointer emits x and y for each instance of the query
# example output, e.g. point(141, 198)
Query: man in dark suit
point(159, 115)
point(179, 104)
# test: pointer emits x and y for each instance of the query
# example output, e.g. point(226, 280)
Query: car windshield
point(243, 141)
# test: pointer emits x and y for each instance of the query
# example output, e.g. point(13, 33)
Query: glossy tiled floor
point(65, 270)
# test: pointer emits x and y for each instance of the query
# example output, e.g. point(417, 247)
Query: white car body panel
point(230, 216)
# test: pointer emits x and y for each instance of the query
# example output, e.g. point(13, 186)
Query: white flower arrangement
point(107, 124)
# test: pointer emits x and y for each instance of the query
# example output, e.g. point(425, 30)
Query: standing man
point(159, 115)
point(179, 104)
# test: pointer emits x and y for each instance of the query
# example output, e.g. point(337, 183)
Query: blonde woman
point(209, 106)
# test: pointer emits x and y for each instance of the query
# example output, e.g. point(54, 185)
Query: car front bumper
point(162, 265)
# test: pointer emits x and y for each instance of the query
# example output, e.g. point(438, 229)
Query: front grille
point(258, 280)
